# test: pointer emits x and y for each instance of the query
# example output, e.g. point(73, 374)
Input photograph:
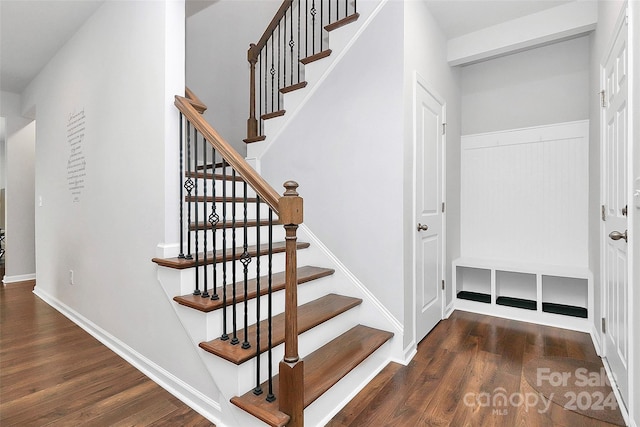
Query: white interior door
point(429, 113)
point(614, 192)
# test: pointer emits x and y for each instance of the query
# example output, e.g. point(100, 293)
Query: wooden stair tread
point(291, 88)
point(220, 199)
point(322, 369)
point(305, 274)
point(310, 315)
point(273, 114)
point(254, 139)
point(342, 22)
point(258, 406)
point(316, 57)
point(210, 166)
point(239, 224)
point(217, 176)
point(181, 263)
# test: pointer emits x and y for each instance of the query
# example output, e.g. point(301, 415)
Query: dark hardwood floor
point(468, 353)
point(53, 373)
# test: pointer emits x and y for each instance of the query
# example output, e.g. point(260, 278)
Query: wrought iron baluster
point(182, 201)
point(270, 396)
point(234, 312)
point(279, 69)
point(245, 258)
point(266, 84)
point(355, 6)
point(205, 289)
point(214, 219)
point(272, 70)
point(284, 53)
point(321, 22)
point(188, 185)
point(225, 335)
point(299, 42)
point(313, 27)
point(259, 93)
point(196, 291)
point(306, 28)
point(258, 390)
point(292, 42)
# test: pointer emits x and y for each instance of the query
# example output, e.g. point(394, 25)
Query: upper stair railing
point(205, 155)
point(295, 36)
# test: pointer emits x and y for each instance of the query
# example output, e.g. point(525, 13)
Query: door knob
point(422, 227)
point(616, 235)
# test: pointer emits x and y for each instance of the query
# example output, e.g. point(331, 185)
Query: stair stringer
point(228, 378)
point(340, 41)
point(372, 312)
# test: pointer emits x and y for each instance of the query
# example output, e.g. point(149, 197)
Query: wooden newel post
point(291, 367)
point(252, 122)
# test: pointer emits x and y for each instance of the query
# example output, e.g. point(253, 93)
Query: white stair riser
point(278, 262)
point(308, 342)
point(278, 236)
point(306, 292)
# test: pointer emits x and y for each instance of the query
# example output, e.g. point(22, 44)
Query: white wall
point(344, 148)
point(426, 52)
point(218, 38)
point(17, 172)
point(540, 86)
point(122, 69)
point(20, 262)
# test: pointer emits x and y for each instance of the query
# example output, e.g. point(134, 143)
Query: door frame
point(625, 407)
point(419, 80)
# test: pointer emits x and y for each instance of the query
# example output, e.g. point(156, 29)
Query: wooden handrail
point(255, 49)
point(255, 181)
point(195, 101)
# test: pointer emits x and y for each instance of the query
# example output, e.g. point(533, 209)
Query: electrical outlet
point(71, 279)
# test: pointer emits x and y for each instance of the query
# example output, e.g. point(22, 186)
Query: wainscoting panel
point(525, 195)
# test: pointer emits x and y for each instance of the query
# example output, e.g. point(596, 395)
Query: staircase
point(236, 282)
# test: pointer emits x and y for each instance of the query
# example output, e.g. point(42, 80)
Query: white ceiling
point(32, 31)
point(458, 17)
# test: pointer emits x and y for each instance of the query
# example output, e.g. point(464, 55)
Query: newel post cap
point(291, 205)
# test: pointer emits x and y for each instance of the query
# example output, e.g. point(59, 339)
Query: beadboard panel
point(524, 195)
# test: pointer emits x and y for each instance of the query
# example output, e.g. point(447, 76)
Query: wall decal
point(77, 163)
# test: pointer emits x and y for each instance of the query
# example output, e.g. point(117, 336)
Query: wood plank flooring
point(54, 373)
point(468, 353)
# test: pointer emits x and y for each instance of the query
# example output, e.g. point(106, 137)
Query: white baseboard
point(167, 250)
point(199, 402)
point(18, 278)
point(595, 338)
point(397, 326)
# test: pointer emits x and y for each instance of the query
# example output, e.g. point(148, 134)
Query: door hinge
point(442, 207)
point(604, 326)
point(603, 101)
point(603, 212)
point(444, 128)
point(443, 284)
point(625, 210)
